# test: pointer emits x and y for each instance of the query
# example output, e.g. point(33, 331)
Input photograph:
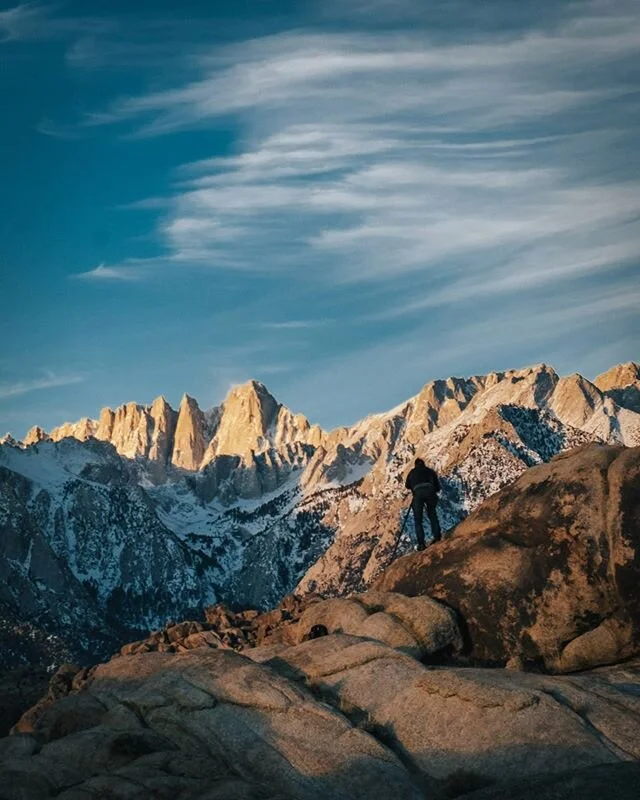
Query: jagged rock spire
point(619, 377)
point(35, 435)
point(189, 443)
point(248, 413)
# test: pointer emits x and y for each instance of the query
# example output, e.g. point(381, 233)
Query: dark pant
point(425, 496)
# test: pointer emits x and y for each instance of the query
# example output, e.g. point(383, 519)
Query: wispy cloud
point(295, 324)
point(360, 76)
point(482, 339)
point(541, 267)
point(93, 52)
point(102, 272)
point(25, 21)
point(442, 165)
point(36, 22)
point(48, 127)
point(49, 381)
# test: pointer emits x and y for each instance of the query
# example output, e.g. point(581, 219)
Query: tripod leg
point(404, 523)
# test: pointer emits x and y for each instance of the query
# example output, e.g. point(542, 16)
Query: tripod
point(404, 522)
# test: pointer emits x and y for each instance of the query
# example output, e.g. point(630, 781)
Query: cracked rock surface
point(205, 723)
point(493, 724)
point(340, 716)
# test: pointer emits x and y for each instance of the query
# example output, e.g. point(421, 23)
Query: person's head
point(420, 463)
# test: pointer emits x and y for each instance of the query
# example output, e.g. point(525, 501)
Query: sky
point(342, 199)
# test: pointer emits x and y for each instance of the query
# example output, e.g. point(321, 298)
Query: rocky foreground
point(339, 716)
point(383, 693)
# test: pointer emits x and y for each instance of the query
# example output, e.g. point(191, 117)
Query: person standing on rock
point(424, 485)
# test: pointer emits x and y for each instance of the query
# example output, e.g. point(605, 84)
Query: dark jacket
point(422, 475)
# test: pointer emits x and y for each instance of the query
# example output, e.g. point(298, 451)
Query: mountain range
point(109, 527)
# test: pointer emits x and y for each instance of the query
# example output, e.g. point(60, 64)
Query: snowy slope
point(83, 552)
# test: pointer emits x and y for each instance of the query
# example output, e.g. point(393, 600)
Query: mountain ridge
point(188, 438)
point(260, 402)
point(248, 501)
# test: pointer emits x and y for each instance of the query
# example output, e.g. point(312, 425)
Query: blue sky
point(341, 199)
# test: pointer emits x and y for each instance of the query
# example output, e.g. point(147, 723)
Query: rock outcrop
point(575, 400)
point(190, 436)
point(130, 432)
point(164, 420)
point(418, 626)
point(249, 413)
point(205, 723)
point(490, 725)
point(35, 435)
point(622, 384)
point(619, 377)
point(338, 716)
point(82, 430)
point(222, 628)
point(547, 570)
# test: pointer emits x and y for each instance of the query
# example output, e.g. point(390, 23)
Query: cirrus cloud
point(402, 157)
